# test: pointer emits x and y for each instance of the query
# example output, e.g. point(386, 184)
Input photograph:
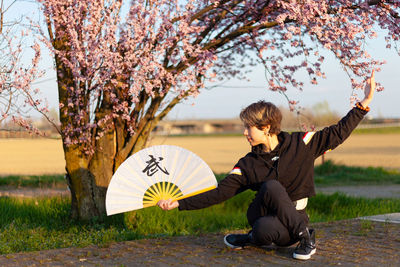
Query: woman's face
point(254, 135)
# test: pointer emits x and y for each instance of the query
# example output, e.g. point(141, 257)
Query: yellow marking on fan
point(205, 179)
point(150, 199)
point(197, 192)
point(149, 195)
point(170, 188)
point(149, 204)
point(175, 191)
point(154, 189)
point(168, 195)
point(151, 191)
point(163, 186)
point(158, 186)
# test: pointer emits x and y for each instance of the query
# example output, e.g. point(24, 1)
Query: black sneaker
point(237, 241)
point(306, 247)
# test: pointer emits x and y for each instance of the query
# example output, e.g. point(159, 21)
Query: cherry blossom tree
point(17, 95)
point(119, 76)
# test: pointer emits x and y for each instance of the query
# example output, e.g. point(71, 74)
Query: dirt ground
point(344, 243)
point(45, 156)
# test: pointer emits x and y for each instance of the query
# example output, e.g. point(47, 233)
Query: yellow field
point(31, 156)
point(45, 156)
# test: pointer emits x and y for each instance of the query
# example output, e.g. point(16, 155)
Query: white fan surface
point(155, 173)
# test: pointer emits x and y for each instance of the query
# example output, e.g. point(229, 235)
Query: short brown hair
point(261, 114)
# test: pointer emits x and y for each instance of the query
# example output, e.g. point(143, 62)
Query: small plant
point(366, 227)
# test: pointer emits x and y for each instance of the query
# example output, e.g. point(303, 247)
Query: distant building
point(199, 127)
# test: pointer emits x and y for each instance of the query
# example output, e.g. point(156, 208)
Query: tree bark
point(80, 182)
point(88, 178)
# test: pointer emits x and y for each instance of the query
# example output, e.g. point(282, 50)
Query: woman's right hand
point(168, 204)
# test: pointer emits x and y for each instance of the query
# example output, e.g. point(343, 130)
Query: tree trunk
point(88, 177)
point(80, 182)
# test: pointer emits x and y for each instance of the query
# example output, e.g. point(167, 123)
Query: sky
point(225, 102)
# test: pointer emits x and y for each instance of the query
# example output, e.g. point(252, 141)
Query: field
point(45, 156)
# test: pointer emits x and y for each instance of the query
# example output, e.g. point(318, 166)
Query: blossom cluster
point(17, 93)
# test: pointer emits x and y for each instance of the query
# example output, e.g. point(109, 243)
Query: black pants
point(274, 217)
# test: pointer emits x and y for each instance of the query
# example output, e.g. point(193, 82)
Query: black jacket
point(291, 163)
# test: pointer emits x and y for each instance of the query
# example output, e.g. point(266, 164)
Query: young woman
point(280, 167)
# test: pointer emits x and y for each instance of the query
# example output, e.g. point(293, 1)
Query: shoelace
point(305, 244)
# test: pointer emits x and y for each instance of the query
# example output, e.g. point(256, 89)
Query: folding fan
point(155, 173)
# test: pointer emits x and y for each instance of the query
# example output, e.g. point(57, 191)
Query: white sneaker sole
point(304, 257)
point(230, 245)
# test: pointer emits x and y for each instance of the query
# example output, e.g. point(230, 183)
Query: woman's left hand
point(369, 90)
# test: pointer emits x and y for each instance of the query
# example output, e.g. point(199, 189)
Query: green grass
point(54, 181)
point(325, 208)
point(333, 174)
point(38, 224)
point(383, 130)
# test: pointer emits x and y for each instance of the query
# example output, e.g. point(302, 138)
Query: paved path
point(369, 191)
point(344, 243)
point(387, 218)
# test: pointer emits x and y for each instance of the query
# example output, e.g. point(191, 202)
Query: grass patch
point(40, 181)
point(325, 208)
point(383, 130)
point(333, 174)
point(38, 224)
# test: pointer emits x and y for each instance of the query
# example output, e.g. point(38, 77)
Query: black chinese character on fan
point(153, 165)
